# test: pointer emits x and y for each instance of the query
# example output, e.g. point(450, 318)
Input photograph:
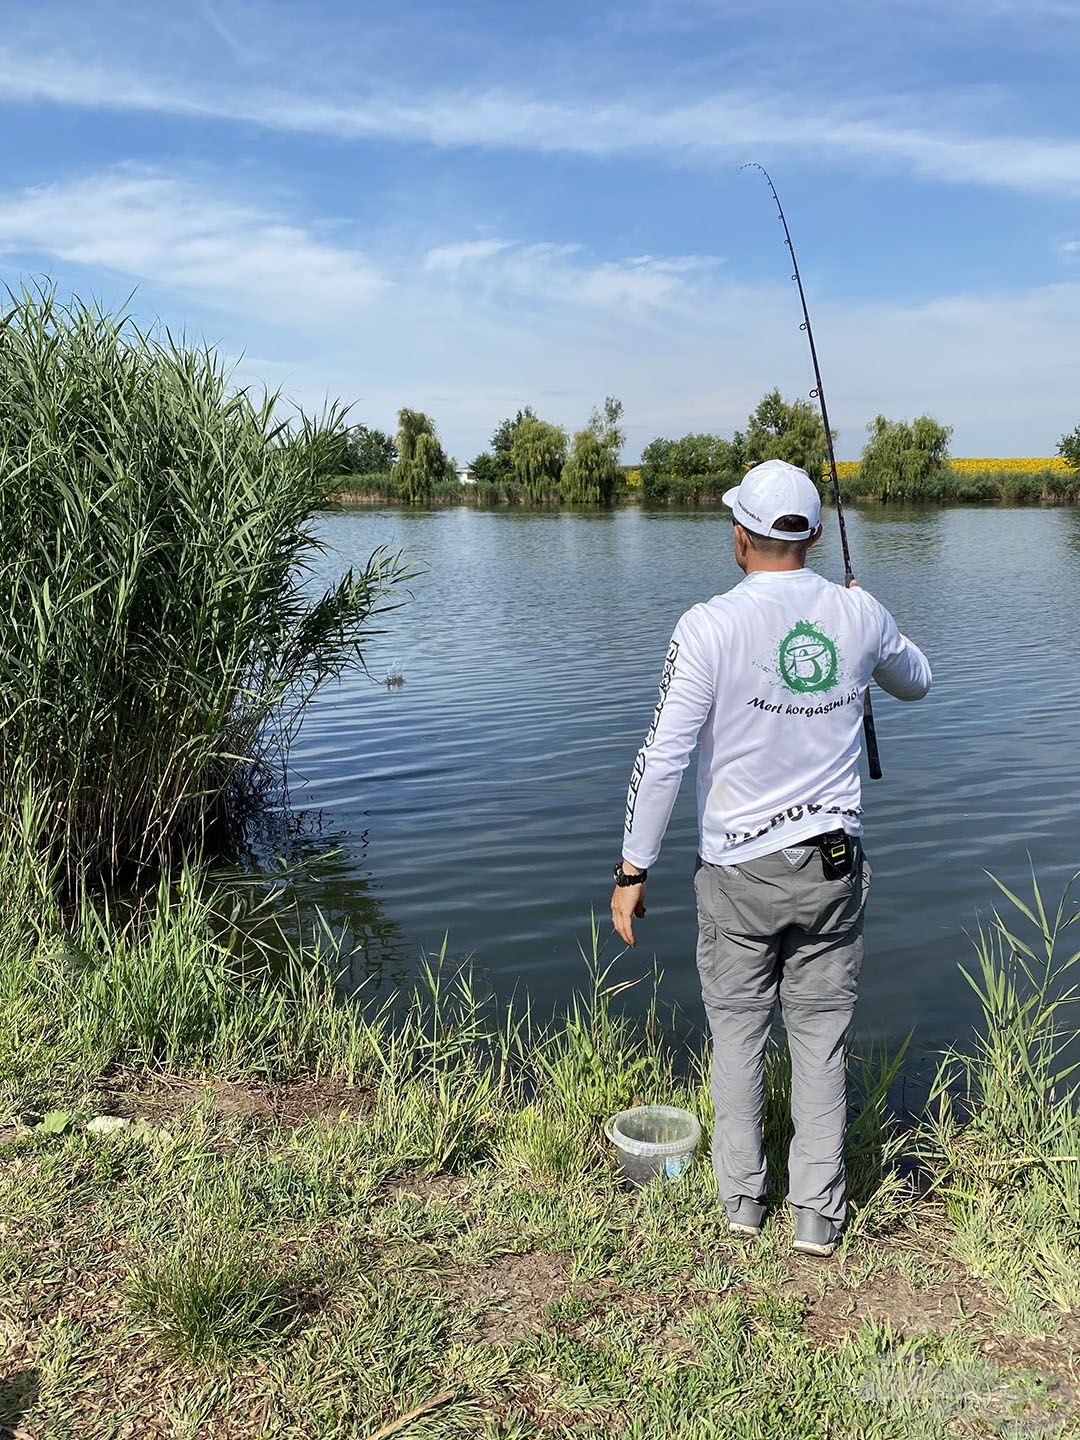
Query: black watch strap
point(621, 877)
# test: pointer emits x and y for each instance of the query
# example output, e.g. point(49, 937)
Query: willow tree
point(538, 454)
point(422, 462)
point(903, 461)
point(788, 430)
point(502, 445)
point(592, 472)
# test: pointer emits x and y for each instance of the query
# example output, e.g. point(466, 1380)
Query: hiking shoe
point(814, 1235)
point(745, 1217)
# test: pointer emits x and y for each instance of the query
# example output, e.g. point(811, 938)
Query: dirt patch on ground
point(889, 1297)
point(159, 1098)
point(431, 1187)
point(514, 1290)
point(956, 1299)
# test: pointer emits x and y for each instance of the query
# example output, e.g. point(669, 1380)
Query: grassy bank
point(310, 1218)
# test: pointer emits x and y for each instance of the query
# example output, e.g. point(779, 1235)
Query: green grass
point(1003, 1130)
point(213, 1296)
point(440, 1220)
point(250, 1279)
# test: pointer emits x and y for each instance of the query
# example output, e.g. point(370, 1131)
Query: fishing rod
point(873, 758)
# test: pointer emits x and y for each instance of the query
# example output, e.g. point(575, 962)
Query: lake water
point(483, 799)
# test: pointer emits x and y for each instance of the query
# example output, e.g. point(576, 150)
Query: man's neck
point(769, 565)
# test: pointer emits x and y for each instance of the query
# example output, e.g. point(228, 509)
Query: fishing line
point(873, 758)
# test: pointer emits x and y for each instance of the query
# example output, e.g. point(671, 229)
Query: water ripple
point(489, 788)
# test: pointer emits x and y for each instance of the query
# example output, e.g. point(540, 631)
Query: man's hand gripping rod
point(873, 759)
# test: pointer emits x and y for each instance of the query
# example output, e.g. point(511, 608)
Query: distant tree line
point(543, 464)
point(701, 467)
point(532, 461)
point(367, 451)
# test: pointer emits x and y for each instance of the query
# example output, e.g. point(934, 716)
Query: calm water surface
point(483, 799)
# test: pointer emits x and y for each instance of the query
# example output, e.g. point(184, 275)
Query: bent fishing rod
point(873, 758)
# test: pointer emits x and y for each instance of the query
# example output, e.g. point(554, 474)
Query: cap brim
point(729, 497)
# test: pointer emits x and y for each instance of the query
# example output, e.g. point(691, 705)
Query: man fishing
point(771, 677)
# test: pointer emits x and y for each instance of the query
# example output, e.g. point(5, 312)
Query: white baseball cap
point(772, 489)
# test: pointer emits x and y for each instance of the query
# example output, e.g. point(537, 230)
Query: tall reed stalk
point(160, 629)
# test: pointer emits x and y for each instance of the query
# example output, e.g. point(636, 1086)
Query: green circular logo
point(808, 660)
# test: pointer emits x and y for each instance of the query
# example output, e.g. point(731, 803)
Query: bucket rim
point(623, 1142)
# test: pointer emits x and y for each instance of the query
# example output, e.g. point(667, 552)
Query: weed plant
point(213, 1295)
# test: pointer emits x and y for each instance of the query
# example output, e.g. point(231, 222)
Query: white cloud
point(184, 237)
point(464, 252)
point(729, 125)
point(563, 274)
point(181, 237)
point(643, 282)
point(550, 324)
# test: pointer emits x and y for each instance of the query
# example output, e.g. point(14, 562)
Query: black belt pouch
point(837, 854)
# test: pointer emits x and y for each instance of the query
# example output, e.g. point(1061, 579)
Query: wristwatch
point(621, 877)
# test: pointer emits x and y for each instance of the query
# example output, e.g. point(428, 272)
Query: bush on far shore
point(949, 486)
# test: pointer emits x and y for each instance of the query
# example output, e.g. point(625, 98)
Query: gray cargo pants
point(769, 929)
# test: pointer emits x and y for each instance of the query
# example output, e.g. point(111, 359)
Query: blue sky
point(469, 207)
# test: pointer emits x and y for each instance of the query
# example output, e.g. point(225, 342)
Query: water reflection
point(891, 534)
point(323, 880)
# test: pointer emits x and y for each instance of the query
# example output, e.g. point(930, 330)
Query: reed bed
point(160, 627)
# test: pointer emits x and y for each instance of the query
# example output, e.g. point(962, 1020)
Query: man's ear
point(816, 536)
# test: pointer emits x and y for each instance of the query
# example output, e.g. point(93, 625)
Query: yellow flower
point(1026, 466)
point(846, 469)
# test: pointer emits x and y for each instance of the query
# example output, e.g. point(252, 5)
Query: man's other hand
point(627, 901)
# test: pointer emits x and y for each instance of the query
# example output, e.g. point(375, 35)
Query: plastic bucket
point(653, 1140)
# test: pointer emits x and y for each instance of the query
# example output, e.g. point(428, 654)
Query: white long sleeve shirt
point(771, 677)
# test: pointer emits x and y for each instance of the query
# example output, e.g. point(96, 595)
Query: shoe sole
point(809, 1247)
point(744, 1229)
